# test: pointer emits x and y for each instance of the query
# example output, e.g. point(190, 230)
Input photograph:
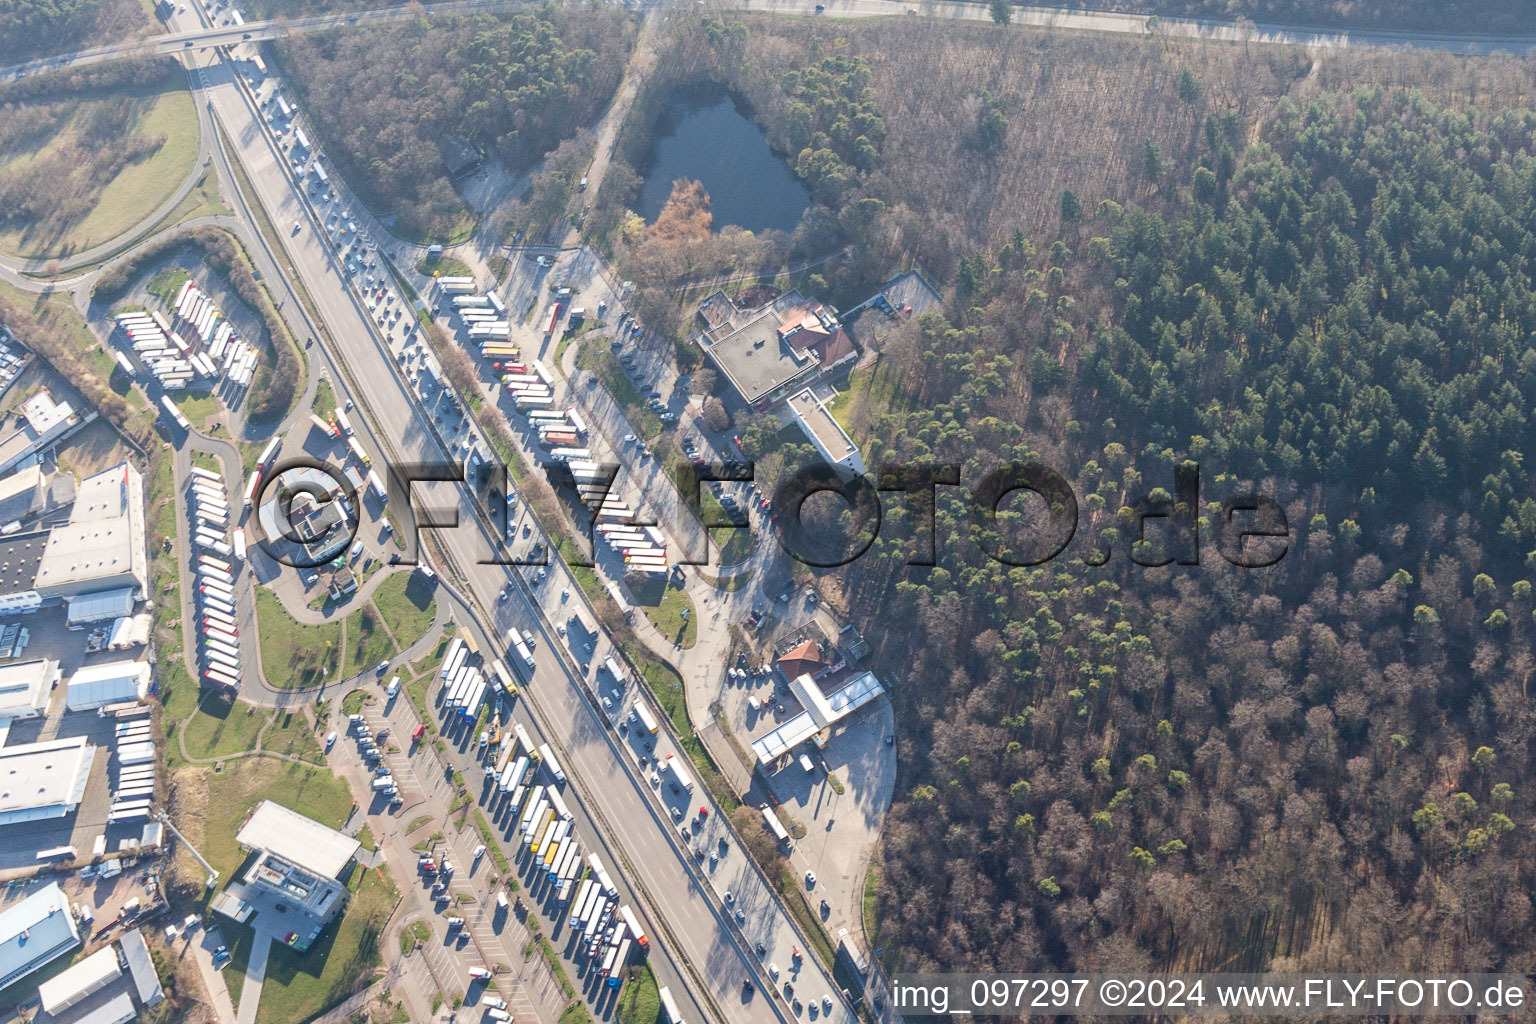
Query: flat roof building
point(825, 433)
point(103, 546)
point(298, 864)
point(110, 682)
point(80, 981)
point(20, 555)
point(40, 423)
point(117, 1010)
point(141, 967)
point(768, 352)
point(35, 932)
point(43, 780)
point(822, 711)
point(25, 687)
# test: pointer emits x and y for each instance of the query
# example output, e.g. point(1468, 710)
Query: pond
point(704, 134)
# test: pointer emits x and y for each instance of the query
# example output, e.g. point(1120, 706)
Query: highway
point(204, 38)
point(1064, 19)
point(701, 951)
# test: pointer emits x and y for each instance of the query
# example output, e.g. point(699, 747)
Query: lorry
point(521, 647)
point(681, 780)
point(552, 765)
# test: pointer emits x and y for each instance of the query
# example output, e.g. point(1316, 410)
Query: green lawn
point(203, 201)
point(325, 400)
point(368, 643)
point(212, 463)
point(166, 284)
point(444, 266)
point(874, 386)
point(406, 602)
point(197, 407)
point(639, 999)
point(352, 703)
point(665, 605)
point(292, 733)
point(158, 112)
point(295, 656)
point(221, 726)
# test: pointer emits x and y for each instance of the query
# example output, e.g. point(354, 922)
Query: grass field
point(203, 201)
point(130, 195)
point(219, 726)
point(444, 266)
point(368, 642)
point(406, 602)
point(669, 609)
point(295, 655)
point(639, 999)
point(292, 733)
point(167, 283)
point(197, 407)
point(325, 400)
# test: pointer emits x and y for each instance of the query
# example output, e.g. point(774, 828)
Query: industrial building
point(110, 682)
point(20, 555)
point(29, 492)
point(81, 981)
point(35, 932)
point(774, 350)
point(102, 547)
point(43, 780)
point(25, 687)
point(39, 424)
point(298, 865)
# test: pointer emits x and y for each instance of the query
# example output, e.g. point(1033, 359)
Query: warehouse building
point(111, 682)
point(43, 780)
point(35, 932)
point(102, 547)
point(25, 687)
point(80, 982)
point(40, 423)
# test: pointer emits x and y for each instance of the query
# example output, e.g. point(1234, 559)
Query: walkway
point(255, 975)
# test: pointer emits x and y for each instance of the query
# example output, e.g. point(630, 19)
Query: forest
point(384, 97)
point(39, 28)
point(1321, 764)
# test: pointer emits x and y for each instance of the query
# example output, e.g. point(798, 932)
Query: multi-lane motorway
point(702, 950)
point(201, 38)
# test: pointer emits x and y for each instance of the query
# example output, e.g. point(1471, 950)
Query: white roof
point(119, 1010)
point(36, 930)
point(43, 780)
point(104, 538)
point(297, 839)
point(89, 975)
point(25, 685)
point(820, 712)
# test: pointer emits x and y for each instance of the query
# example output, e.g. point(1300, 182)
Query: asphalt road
point(398, 431)
point(1072, 20)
